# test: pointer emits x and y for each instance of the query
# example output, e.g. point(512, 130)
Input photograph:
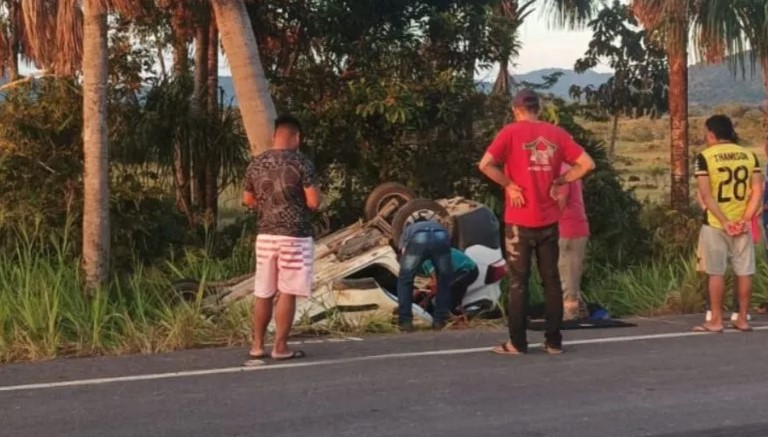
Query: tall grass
point(44, 312)
point(660, 287)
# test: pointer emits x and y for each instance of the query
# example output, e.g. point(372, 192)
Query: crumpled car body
point(356, 269)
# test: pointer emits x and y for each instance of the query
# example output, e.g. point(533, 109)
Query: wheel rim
point(400, 198)
point(426, 214)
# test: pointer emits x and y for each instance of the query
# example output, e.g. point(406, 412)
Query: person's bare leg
point(284, 313)
point(262, 315)
point(744, 287)
point(716, 292)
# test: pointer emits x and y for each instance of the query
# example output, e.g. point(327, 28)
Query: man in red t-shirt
point(525, 159)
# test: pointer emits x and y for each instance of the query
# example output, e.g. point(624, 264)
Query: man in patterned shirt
point(282, 186)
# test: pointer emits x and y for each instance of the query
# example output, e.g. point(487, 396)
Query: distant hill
point(708, 85)
point(568, 79)
point(716, 84)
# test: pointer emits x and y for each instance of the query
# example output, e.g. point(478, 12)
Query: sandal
point(506, 349)
point(705, 328)
point(292, 356)
point(742, 329)
point(260, 356)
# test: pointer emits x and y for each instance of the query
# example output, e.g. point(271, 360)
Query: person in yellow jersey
point(730, 185)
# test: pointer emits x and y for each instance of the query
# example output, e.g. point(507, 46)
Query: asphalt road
point(654, 380)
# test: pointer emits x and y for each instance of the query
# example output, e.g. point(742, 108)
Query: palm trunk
point(614, 135)
point(501, 86)
point(251, 87)
point(14, 34)
point(180, 40)
point(677, 52)
point(213, 162)
point(181, 152)
point(764, 63)
point(96, 232)
point(199, 104)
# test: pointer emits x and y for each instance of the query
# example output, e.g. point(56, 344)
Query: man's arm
point(700, 201)
point(705, 191)
point(494, 171)
point(579, 168)
point(314, 197)
point(312, 194)
point(249, 200)
point(755, 197)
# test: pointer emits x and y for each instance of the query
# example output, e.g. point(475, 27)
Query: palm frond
point(718, 33)
point(571, 14)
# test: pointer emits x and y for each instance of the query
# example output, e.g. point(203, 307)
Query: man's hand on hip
point(515, 195)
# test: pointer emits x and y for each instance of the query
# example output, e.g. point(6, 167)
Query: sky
point(542, 47)
point(546, 47)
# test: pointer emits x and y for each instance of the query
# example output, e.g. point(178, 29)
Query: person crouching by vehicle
point(421, 241)
point(465, 273)
point(574, 236)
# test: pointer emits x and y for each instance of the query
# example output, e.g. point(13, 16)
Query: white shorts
point(716, 248)
point(284, 264)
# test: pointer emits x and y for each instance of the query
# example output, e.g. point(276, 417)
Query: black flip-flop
point(293, 356)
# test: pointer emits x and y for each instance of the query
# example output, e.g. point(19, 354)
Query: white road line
point(240, 369)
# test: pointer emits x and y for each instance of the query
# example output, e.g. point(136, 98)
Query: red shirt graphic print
point(533, 153)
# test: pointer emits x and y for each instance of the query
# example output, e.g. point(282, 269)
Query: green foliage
point(40, 153)
point(639, 84)
point(41, 166)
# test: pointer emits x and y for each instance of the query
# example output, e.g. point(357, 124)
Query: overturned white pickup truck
point(356, 268)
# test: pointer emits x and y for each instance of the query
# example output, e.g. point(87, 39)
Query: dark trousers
point(522, 244)
point(425, 245)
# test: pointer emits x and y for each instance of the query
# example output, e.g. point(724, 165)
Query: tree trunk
point(614, 135)
point(181, 152)
point(764, 62)
point(179, 24)
point(14, 37)
point(213, 162)
point(251, 87)
point(213, 68)
point(96, 232)
point(677, 52)
point(200, 96)
point(501, 86)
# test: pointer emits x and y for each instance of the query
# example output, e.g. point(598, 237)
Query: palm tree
point(96, 236)
point(11, 30)
point(716, 31)
point(66, 37)
point(251, 87)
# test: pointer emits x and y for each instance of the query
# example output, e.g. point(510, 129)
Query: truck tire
point(382, 194)
point(420, 208)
